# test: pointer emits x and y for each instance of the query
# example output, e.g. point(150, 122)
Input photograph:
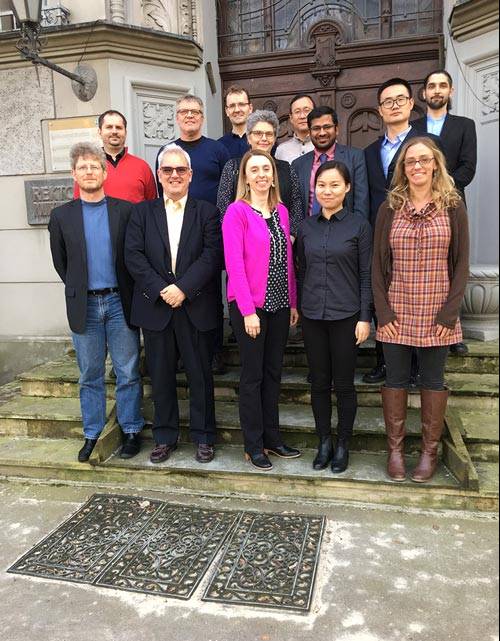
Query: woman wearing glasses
point(262, 130)
point(262, 301)
point(419, 273)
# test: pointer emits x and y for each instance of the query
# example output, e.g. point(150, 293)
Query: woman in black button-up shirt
point(335, 299)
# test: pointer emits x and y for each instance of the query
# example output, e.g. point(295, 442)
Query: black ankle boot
point(324, 455)
point(340, 459)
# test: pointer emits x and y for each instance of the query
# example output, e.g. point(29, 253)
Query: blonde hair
point(444, 193)
point(243, 189)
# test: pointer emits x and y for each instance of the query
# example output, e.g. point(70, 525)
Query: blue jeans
point(106, 328)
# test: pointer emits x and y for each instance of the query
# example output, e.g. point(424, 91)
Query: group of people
point(311, 233)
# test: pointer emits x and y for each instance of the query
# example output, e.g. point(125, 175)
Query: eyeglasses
point(83, 169)
point(302, 112)
point(238, 105)
point(400, 101)
point(263, 134)
point(180, 171)
point(186, 112)
point(423, 162)
point(315, 129)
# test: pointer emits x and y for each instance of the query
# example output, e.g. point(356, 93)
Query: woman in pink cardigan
point(262, 298)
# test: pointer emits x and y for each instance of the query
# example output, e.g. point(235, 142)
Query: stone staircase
point(40, 434)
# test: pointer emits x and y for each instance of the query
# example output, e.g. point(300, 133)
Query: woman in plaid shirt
point(419, 273)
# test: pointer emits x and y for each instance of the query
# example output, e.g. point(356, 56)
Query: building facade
point(145, 53)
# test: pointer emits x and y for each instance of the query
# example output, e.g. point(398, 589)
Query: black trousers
point(432, 361)
point(196, 351)
point(218, 334)
point(260, 381)
point(331, 353)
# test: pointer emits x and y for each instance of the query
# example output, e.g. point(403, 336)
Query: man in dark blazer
point(323, 128)
point(174, 253)
point(395, 104)
point(456, 133)
point(458, 138)
point(87, 238)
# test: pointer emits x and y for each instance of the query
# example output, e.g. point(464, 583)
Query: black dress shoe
point(283, 451)
point(459, 349)
point(205, 453)
point(161, 453)
point(340, 459)
point(131, 445)
point(87, 449)
point(324, 455)
point(260, 461)
point(375, 375)
point(218, 365)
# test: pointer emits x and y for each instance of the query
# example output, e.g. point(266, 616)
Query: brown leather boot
point(433, 408)
point(395, 402)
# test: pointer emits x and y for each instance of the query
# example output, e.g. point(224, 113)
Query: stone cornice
point(107, 40)
point(472, 18)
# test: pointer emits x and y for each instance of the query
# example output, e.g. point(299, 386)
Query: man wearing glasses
point(395, 104)
point(208, 158)
point(300, 144)
point(87, 237)
point(174, 253)
point(238, 108)
point(323, 126)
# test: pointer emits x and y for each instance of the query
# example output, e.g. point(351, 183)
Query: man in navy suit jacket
point(174, 253)
point(323, 128)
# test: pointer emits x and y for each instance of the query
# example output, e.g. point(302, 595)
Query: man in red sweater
point(128, 177)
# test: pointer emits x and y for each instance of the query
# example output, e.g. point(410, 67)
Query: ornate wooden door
point(339, 52)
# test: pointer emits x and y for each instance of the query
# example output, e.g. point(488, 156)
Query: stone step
point(480, 432)
point(297, 426)
point(60, 379)
point(44, 417)
point(483, 358)
point(61, 418)
point(229, 474)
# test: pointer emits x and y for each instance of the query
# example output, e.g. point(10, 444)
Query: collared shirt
point(390, 148)
point(330, 155)
point(335, 266)
point(435, 125)
point(293, 148)
point(116, 160)
point(236, 145)
point(100, 266)
point(175, 218)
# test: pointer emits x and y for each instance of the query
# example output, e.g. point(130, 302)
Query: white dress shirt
point(175, 217)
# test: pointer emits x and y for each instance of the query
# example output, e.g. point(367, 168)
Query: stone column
point(117, 10)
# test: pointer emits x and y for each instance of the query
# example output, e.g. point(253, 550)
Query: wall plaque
point(63, 133)
point(43, 195)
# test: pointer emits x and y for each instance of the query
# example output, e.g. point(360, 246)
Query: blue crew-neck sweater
point(208, 158)
point(100, 267)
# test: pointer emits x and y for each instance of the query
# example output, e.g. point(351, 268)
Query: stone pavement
point(385, 574)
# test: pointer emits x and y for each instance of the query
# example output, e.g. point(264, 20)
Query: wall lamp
point(28, 14)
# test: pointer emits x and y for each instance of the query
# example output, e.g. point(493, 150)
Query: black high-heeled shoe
point(260, 461)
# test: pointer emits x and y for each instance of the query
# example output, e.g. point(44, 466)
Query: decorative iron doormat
point(153, 547)
point(271, 561)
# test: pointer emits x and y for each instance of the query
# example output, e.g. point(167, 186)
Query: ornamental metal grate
point(249, 27)
point(152, 547)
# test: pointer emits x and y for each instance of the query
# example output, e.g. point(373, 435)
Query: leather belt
point(103, 292)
